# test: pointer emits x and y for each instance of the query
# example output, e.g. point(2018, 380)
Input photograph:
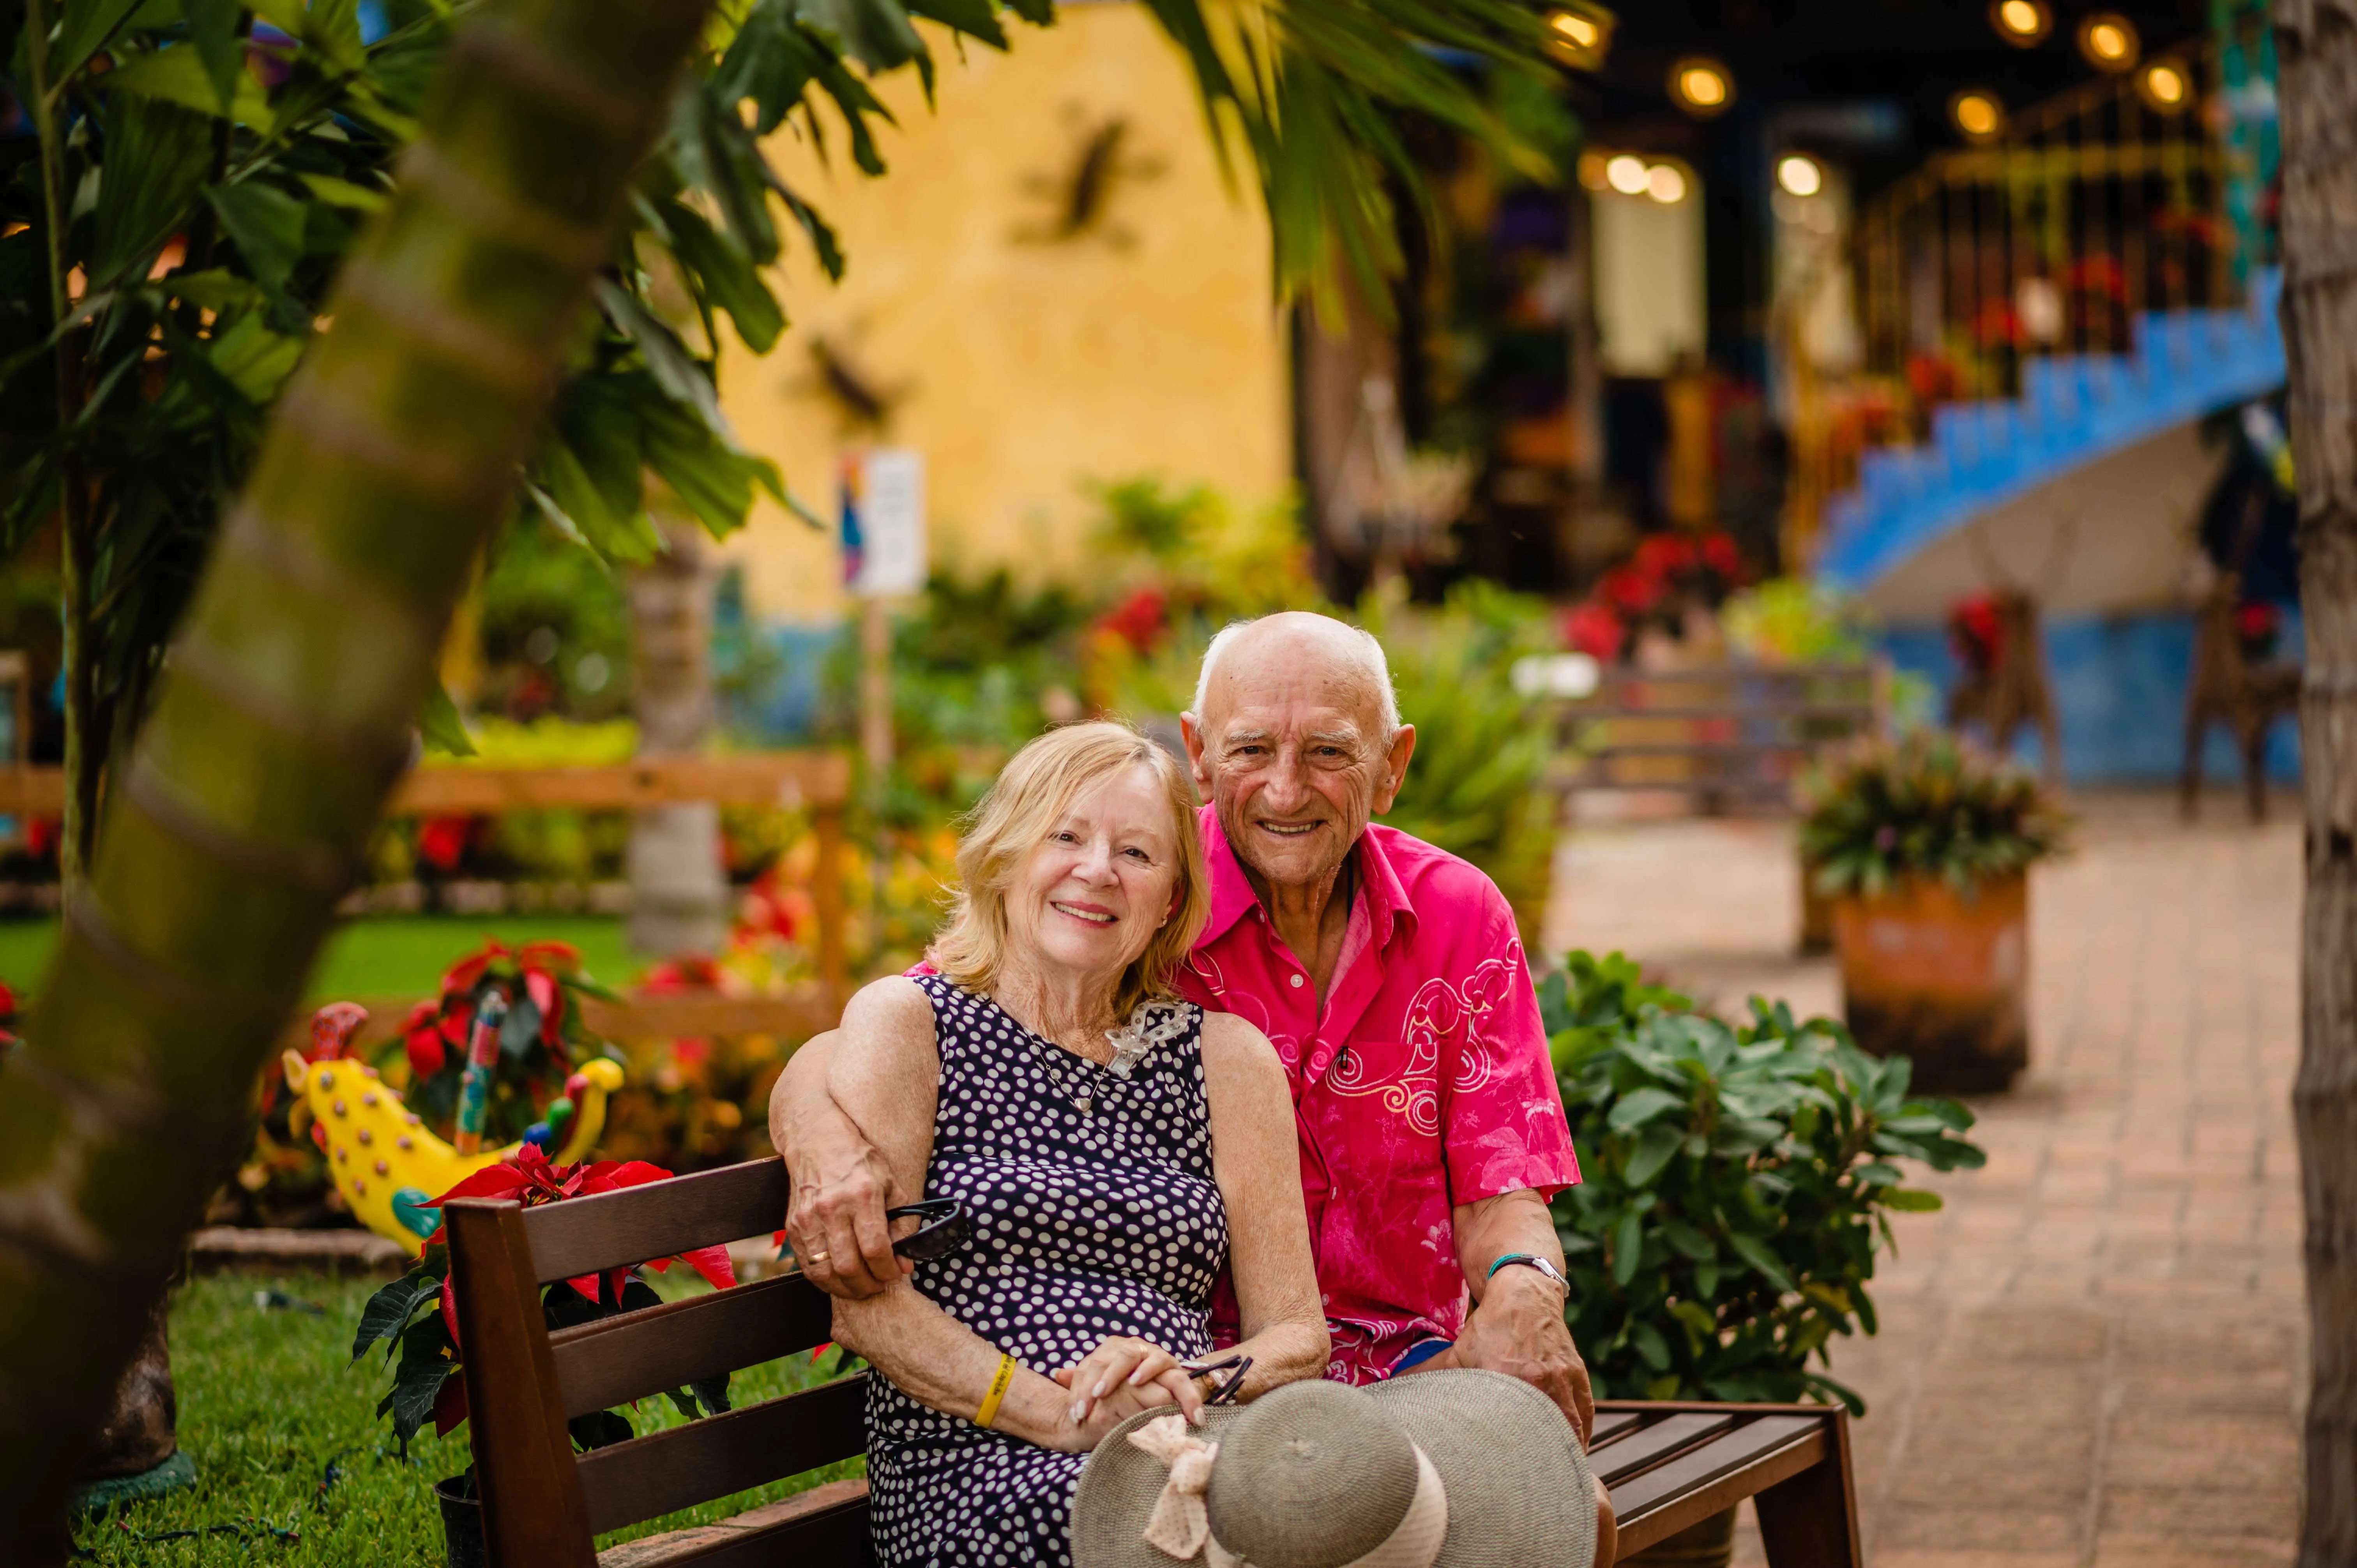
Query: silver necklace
point(1153, 1024)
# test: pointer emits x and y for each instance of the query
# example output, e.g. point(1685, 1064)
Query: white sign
point(884, 523)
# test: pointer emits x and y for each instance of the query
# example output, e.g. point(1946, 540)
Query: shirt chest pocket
point(1377, 1112)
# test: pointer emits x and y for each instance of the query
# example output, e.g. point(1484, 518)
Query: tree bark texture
point(286, 707)
point(679, 893)
point(2317, 53)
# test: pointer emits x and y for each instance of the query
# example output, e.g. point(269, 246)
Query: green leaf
point(212, 28)
point(730, 280)
point(254, 359)
point(343, 192)
point(158, 154)
point(1688, 1241)
point(1910, 1200)
point(1754, 1251)
point(178, 76)
point(85, 27)
point(1635, 1110)
point(876, 33)
point(1627, 1247)
point(266, 225)
point(386, 1315)
point(1655, 1149)
point(675, 370)
point(1651, 1348)
point(440, 727)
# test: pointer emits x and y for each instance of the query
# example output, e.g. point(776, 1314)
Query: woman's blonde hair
point(1033, 793)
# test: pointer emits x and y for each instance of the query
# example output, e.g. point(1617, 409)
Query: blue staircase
point(2073, 409)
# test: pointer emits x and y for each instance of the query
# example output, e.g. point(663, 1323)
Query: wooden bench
point(1735, 736)
point(1668, 1467)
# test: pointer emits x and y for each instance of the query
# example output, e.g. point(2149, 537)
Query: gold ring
point(818, 1257)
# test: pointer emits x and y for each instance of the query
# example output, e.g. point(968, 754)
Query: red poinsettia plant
point(542, 1038)
point(418, 1312)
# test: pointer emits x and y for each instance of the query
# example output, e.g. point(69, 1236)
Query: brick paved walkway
point(2089, 1358)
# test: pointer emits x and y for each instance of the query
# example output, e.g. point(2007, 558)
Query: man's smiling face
point(1293, 749)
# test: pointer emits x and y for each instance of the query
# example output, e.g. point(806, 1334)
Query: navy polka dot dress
point(1088, 1223)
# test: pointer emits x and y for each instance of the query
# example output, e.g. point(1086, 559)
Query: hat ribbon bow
point(1180, 1526)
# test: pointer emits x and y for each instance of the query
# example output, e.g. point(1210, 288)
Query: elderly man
point(1390, 979)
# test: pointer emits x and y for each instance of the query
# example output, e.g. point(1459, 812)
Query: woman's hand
point(1116, 1381)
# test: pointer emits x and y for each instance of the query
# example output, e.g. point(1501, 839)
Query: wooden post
point(827, 878)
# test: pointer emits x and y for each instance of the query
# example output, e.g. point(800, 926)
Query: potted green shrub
point(1925, 846)
point(417, 1317)
point(1737, 1185)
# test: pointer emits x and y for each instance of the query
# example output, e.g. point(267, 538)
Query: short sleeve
point(1504, 1124)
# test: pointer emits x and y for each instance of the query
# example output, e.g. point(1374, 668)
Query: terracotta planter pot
point(1941, 979)
point(1816, 913)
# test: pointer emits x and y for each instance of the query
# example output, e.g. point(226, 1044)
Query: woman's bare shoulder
point(894, 1008)
point(1234, 1047)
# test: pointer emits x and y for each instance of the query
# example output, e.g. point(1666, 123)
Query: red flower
point(421, 1037)
point(41, 837)
point(1630, 591)
point(1139, 619)
point(1663, 555)
point(1595, 631)
point(549, 997)
point(531, 1180)
point(442, 841)
point(1977, 633)
point(1719, 554)
point(2254, 621)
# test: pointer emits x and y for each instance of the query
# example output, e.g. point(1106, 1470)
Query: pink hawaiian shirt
point(1425, 1083)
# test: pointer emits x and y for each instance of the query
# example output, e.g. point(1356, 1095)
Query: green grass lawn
point(384, 956)
point(292, 1466)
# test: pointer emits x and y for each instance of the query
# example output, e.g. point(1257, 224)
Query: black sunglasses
point(945, 1225)
point(1227, 1388)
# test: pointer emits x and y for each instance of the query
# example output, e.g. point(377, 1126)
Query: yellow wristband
point(1006, 1375)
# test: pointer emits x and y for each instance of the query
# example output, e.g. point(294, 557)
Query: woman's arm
point(889, 1084)
point(1255, 1154)
point(835, 1203)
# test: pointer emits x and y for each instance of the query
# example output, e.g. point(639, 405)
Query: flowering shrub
point(1923, 805)
point(418, 1313)
point(1666, 576)
point(542, 1040)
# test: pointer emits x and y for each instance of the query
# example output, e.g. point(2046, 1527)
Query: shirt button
point(1296, 983)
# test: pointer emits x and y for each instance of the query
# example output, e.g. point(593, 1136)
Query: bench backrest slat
point(585, 1235)
point(723, 1454)
point(617, 1359)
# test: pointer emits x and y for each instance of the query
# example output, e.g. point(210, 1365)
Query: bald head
point(1295, 737)
point(1346, 655)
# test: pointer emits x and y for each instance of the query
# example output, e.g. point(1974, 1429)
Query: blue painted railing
point(2073, 409)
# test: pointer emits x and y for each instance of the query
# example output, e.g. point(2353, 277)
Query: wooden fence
point(815, 781)
point(1734, 737)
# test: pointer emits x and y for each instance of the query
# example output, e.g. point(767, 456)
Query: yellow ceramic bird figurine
point(387, 1164)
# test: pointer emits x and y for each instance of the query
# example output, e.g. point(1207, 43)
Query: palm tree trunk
point(679, 895)
point(2317, 52)
point(286, 708)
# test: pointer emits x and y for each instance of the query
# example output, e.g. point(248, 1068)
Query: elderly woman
point(1116, 1148)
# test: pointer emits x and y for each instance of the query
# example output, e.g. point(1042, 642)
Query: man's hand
point(1519, 1330)
point(840, 1185)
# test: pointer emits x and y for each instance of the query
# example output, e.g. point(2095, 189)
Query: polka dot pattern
point(1087, 1224)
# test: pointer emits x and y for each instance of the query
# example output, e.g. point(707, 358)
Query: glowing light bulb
point(1665, 185)
point(1701, 86)
point(1625, 173)
point(2109, 41)
point(2163, 86)
point(1977, 114)
point(1574, 29)
point(2021, 22)
point(1799, 174)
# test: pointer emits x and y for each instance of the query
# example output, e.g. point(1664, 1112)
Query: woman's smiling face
point(1092, 894)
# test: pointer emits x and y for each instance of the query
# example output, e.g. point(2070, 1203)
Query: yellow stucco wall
point(1022, 365)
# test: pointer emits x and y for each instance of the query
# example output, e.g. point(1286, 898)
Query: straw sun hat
point(1447, 1469)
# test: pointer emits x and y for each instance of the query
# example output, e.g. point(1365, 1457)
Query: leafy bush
point(1737, 1185)
point(1476, 785)
point(418, 1313)
point(1922, 805)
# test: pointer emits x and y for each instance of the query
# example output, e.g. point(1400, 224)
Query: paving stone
point(2087, 1357)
